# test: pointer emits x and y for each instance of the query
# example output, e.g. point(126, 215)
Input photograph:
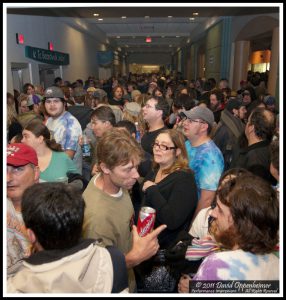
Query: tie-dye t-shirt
point(239, 265)
point(18, 244)
point(207, 162)
point(66, 130)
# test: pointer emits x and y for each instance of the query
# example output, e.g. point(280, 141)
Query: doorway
point(48, 73)
point(20, 75)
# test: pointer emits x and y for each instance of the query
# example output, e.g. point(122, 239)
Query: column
point(123, 65)
point(240, 66)
point(225, 48)
point(274, 66)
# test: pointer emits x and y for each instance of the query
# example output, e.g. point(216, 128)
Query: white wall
point(238, 23)
point(38, 31)
point(149, 58)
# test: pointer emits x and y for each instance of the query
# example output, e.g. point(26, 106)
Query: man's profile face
point(242, 112)
point(222, 227)
point(99, 126)
point(248, 128)
point(149, 110)
point(19, 178)
point(125, 176)
point(214, 103)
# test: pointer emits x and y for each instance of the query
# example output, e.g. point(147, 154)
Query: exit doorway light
point(19, 38)
point(50, 46)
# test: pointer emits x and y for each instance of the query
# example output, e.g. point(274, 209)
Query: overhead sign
point(47, 56)
point(105, 58)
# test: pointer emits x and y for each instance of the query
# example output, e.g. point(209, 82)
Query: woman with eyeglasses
point(170, 187)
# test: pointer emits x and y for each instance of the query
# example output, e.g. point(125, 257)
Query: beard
point(226, 239)
point(214, 107)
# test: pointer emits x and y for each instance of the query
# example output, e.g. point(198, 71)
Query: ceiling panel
point(135, 27)
point(141, 11)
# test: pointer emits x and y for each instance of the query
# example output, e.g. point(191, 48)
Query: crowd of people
point(204, 156)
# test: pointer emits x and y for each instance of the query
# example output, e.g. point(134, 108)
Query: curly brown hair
point(254, 208)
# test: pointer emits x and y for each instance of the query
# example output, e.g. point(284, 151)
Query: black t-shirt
point(148, 139)
point(116, 102)
point(14, 129)
point(82, 114)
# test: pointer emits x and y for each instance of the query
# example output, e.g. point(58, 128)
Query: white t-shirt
point(200, 225)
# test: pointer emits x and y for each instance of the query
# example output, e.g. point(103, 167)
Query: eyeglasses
point(210, 220)
point(163, 147)
point(193, 121)
point(149, 106)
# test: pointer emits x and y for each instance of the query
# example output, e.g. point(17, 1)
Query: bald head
point(264, 123)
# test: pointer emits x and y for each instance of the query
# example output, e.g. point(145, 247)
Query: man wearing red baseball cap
point(22, 172)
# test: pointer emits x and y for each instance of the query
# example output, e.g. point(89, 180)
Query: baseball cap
point(233, 104)
point(19, 154)
point(33, 99)
point(53, 92)
point(269, 100)
point(135, 93)
point(199, 112)
point(91, 89)
point(133, 108)
point(99, 93)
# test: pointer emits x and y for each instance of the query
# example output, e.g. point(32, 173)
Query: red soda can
point(146, 220)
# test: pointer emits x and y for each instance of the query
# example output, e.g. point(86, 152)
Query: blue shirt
point(66, 130)
point(207, 163)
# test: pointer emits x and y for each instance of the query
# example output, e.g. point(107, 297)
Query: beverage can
point(146, 220)
point(137, 135)
point(85, 147)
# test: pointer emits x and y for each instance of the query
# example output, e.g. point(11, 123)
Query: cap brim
point(17, 162)
point(182, 115)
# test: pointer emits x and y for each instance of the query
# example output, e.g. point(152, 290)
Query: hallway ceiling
point(169, 27)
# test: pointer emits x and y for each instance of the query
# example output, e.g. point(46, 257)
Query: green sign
point(47, 56)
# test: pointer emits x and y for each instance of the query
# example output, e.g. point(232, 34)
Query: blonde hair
point(127, 116)
point(181, 161)
point(22, 97)
point(11, 114)
point(142, 99)
point(139, 119)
